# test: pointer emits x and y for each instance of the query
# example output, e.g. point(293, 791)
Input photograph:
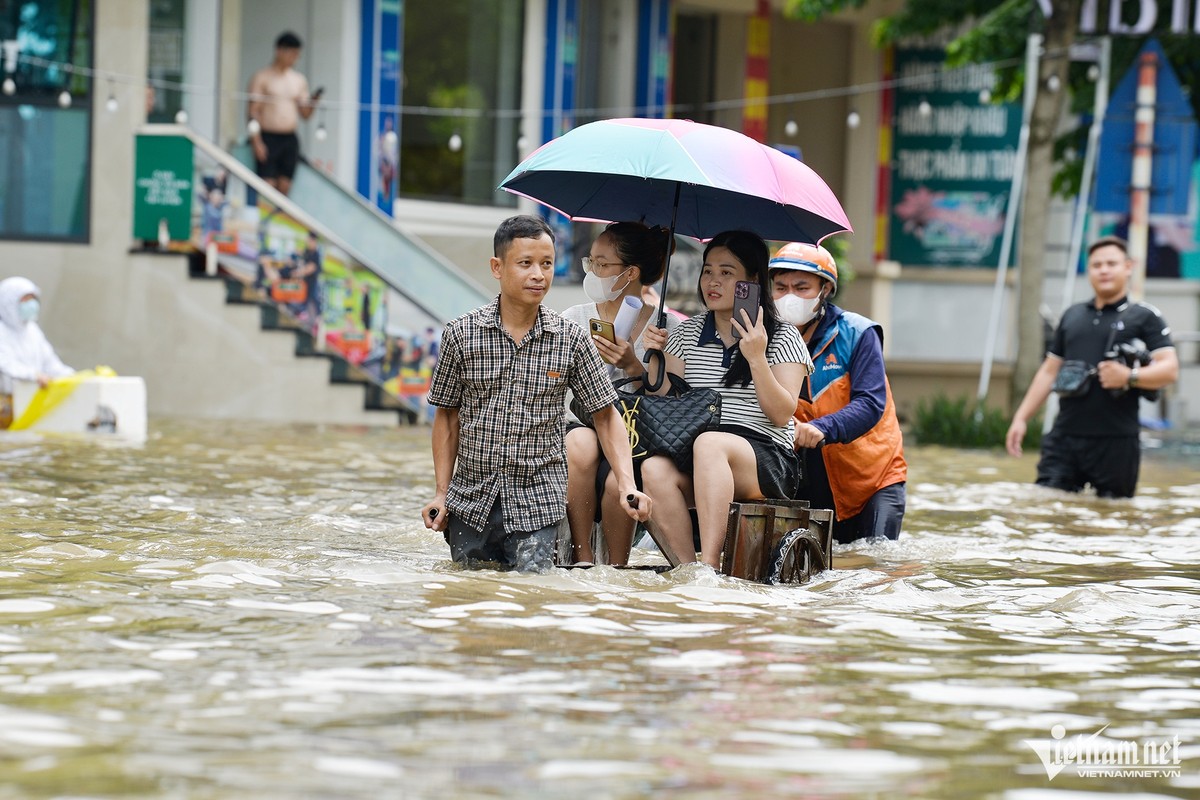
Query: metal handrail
point(419, 244)
point(245, 174)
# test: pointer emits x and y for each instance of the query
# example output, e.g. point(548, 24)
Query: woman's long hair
point(752, 252)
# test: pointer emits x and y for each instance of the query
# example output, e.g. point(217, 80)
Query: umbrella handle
point(653, 379)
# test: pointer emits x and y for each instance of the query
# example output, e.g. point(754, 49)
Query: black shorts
point(1109, 463)
point(779, 474)
point(283, 153)
point(604, 469)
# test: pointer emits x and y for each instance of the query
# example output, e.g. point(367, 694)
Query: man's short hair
point(289, 40)
point(1105, 241)
point(522, 226)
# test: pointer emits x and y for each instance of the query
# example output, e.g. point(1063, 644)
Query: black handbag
point(663, 425)
point(1074, 379)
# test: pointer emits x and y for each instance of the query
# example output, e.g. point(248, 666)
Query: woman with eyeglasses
point(624, 258)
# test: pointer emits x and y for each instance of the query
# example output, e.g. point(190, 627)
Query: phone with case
point(745, 297)
point(604, 330)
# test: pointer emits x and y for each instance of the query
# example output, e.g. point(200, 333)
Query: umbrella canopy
point(697, 179)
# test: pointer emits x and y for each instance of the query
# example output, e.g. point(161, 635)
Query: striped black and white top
point(707, 359)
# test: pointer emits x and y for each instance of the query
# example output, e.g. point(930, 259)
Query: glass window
point(165, 60)
point(695, 64)
point(44, 170)
point(589, 72)
point(460, 54)
point(45, 141)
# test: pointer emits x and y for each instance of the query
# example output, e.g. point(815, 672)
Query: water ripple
point(257, 611)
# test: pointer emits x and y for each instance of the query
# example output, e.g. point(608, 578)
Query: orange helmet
point(802, 257)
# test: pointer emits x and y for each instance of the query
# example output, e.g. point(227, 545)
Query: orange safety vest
point(857, 469)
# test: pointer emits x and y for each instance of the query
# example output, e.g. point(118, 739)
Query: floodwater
point(251, 611)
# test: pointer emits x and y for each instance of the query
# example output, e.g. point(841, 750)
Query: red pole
point(883, 173)
point(1143, 154)
point(758, 53)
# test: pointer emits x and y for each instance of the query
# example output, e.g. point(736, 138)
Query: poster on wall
point(162, 188)
point(379, 98)
point(653, 89)
point(315, 285)
point(952, 163)
point(562, 52)
point(1173, 246)
point(1173, 240)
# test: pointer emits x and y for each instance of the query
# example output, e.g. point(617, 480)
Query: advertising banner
point(379, 96)
point(314, 285)
point(952, 163)
point(162, 189)
point(558, 106)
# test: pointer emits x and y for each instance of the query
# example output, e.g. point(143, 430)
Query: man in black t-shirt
point(1095, 435)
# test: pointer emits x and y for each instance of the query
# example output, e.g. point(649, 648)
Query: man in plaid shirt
point(499, 389)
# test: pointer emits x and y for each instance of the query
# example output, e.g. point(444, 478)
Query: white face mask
point(28, 309)
point(797, 310)
point(600, 290)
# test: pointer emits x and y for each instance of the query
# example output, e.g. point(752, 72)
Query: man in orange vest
point(846, 433)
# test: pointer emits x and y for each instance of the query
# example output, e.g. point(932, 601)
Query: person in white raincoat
point(25, 353)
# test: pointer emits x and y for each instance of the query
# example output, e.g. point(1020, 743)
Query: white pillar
point(1143, 156)
point(533, 71)
point(202, 65)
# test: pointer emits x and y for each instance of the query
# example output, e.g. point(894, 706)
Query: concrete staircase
point(202, 356)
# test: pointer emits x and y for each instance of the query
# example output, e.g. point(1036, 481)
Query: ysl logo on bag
point(663, 425)
point(630, 418)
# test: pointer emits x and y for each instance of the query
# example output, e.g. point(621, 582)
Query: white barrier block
point(99, 406)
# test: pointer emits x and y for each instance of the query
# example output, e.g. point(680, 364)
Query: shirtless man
point(279, 98)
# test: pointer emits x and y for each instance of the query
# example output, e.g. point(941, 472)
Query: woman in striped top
point(758, 366)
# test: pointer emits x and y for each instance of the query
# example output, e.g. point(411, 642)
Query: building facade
point(427, 106)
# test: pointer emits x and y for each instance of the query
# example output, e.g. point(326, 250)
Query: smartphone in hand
point(317, 94)
point(745, 297)
point(604, 330)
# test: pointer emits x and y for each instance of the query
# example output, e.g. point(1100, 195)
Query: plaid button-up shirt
point(510, 398)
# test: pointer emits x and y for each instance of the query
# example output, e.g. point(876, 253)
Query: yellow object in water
point(51, 396)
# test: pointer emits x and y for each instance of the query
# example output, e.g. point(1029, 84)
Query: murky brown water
point(238, 611)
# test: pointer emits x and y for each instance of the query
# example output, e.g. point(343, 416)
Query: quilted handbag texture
point(665, 425)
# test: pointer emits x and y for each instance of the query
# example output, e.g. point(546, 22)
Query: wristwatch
point(1133, 376)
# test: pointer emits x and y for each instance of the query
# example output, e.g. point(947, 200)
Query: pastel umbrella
point(691, 178)
point(697, 179)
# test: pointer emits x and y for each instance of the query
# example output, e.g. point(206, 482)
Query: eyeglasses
point(591, 265)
